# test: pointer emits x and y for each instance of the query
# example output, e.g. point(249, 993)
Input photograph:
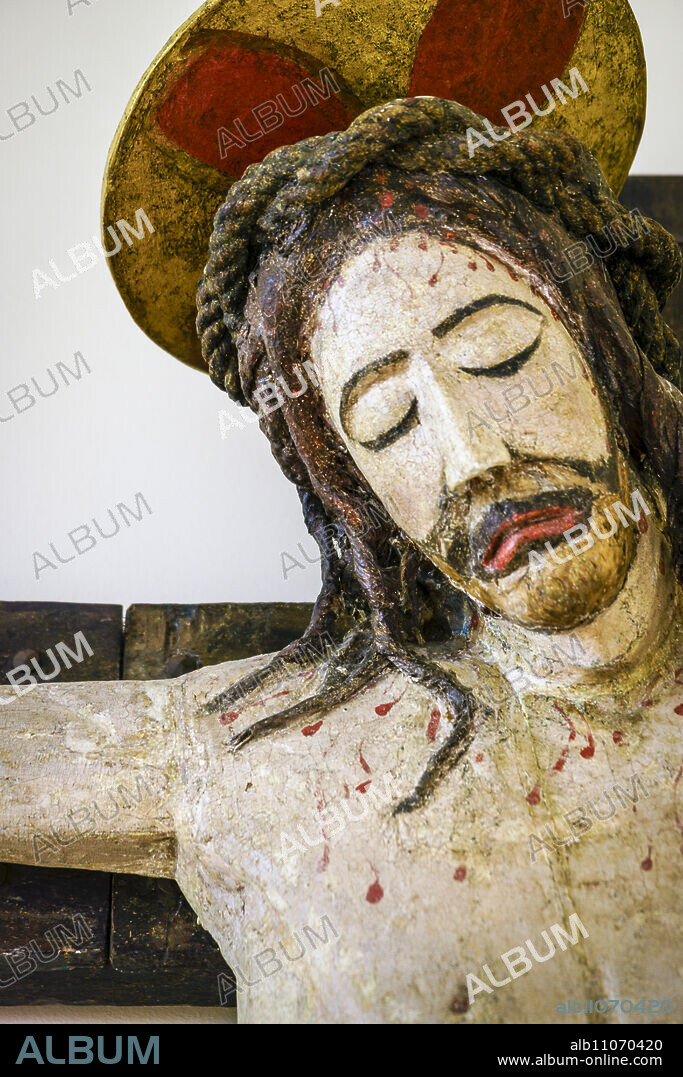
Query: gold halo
point(371, 47)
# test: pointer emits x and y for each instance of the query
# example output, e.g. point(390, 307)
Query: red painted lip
point(525, 527)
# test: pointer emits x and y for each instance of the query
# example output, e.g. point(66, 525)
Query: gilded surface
point(372, 47)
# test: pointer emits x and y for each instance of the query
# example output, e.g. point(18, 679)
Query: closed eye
point(508, 366)
point(493, 336)
point(377, 406)
point(409, 420)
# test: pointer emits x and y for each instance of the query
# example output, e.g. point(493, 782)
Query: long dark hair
point(285, 229)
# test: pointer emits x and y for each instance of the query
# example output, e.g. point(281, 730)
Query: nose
point(465, 436)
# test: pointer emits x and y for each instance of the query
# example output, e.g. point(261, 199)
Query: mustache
point(452, 533)
point(600, 471)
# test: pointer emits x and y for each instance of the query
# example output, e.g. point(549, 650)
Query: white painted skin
point(472, 425)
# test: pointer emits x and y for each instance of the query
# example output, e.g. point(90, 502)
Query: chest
point(557, 812)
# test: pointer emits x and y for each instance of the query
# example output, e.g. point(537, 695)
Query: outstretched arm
point(85, 776)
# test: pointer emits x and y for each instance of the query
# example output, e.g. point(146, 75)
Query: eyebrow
point(386, 362)
point(459, 315)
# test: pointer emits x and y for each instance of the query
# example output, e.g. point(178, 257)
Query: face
point(477, 423)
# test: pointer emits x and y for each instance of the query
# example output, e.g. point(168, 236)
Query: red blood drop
point(324, 861)
point(589, 751)
point(384, 708)
point(420, 210)
point(363, 763)
point(617, 737)
point(229, 717)
point(646, 864)
point(310, 730)
point(435, 276)
point(678, 709)
point(363, 787)
point(472, 265)
point(434, 719)
point(386, 200)
point(479, 757)
point(534, 796)
point(375, 893)
point(460, 873)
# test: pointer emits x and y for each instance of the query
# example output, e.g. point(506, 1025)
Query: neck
point(617, 649)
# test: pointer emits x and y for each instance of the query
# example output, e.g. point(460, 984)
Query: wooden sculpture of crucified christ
point(453, 800)
point(474, 788)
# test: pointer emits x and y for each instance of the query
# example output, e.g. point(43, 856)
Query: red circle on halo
point(229, 82)
point(490, 53)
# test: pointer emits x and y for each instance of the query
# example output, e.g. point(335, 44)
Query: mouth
point(511, 528)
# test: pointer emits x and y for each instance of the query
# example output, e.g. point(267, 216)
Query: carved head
point(476, 419)
point(435, 357)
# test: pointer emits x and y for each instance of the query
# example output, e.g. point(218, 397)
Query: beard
point(488, 529)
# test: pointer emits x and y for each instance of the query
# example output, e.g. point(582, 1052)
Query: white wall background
point(222, 514)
